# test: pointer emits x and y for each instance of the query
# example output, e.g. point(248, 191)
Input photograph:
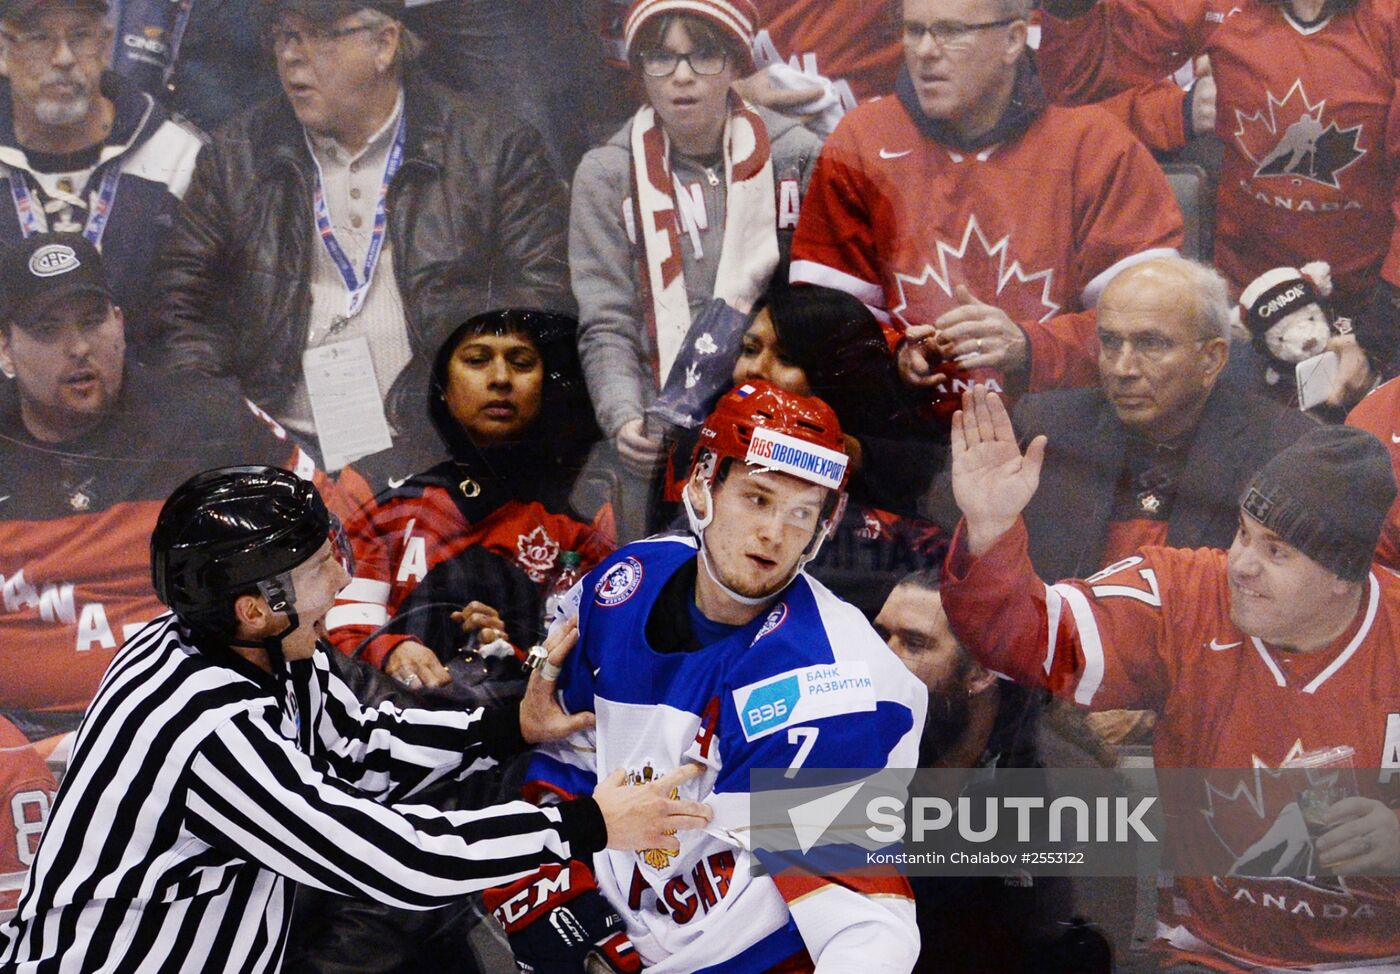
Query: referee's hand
point(541, 717)
point(648, 816)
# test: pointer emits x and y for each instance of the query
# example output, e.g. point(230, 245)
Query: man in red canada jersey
point(27, 788)
point(1307, 106)
point(1282, 647)
point(92, 444)
point(967, 209)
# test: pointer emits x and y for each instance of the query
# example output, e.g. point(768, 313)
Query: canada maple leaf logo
point(1288, 138)
point(988, 270)
point(1257, 821)
point(536, 553)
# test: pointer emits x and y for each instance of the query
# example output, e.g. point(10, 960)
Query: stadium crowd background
point(479, 268)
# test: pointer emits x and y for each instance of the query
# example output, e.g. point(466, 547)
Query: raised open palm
point(992, 480)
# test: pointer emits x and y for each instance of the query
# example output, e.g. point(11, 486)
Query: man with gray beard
point(86, 152)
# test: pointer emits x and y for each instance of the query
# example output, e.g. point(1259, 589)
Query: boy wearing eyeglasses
point(684, 205)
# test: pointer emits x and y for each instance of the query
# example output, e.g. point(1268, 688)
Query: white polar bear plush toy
point(1286, 315)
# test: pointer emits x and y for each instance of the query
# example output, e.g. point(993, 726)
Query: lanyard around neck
point(27, 211)
point(357, 288)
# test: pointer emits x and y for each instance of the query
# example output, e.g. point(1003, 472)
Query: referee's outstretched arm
point(253, 795)
point(391, 754)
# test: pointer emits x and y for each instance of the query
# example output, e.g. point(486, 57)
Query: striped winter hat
point(738, 18)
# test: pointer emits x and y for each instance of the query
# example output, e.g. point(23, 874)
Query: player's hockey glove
point(558, 923)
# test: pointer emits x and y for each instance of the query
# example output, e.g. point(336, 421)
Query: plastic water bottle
point(570, 572)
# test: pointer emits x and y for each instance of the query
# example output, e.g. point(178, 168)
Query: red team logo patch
point(619, 584)
point(536, 553)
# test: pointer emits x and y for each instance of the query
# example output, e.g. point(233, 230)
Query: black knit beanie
point(1327, 495)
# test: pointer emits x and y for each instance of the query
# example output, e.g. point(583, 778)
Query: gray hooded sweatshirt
point(613, 341)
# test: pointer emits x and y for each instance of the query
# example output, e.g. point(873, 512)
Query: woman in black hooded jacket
point(474, 542)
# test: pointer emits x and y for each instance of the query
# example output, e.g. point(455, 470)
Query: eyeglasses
point(663, 63)
point(83, 42)
point(277, 39)
point(1151, 347)
point(950, 35)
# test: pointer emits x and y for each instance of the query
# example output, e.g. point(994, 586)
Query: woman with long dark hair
point(818, 341)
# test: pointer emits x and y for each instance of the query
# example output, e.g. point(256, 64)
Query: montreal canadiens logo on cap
point(787, 454)
point(52, 260)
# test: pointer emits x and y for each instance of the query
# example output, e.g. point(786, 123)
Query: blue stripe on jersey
point(769, 952)
point(566, 777)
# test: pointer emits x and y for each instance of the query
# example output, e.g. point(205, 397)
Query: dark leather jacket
point(1068, 518)
point(477, 220)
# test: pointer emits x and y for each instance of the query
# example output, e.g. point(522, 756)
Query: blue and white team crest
point(619, 584)
point(775, 619)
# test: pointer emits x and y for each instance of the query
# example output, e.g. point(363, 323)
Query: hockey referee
point(221, 763)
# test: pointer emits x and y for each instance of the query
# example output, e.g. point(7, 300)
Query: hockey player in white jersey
point(717, 649)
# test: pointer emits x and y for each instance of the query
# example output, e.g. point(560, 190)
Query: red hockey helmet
point(760, 424)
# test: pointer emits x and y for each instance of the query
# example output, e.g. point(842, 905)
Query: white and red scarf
point(749, 252)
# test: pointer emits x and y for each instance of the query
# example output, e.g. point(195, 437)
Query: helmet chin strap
point(279, 599)
point(272, 645)
point(698, 525)
point(814, 547)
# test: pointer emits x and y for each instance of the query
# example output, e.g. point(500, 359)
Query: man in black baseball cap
point(92, 443)
point(61, 337)
point(79, 143)
point(44, 269)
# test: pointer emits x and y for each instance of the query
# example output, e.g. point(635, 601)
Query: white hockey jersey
point(808, 684)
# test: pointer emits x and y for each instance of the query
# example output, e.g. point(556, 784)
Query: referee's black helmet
point(233, 530)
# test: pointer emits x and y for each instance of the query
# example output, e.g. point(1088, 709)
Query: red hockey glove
point(558, 922)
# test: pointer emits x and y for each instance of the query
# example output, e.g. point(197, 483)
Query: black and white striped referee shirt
point(201, 789)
